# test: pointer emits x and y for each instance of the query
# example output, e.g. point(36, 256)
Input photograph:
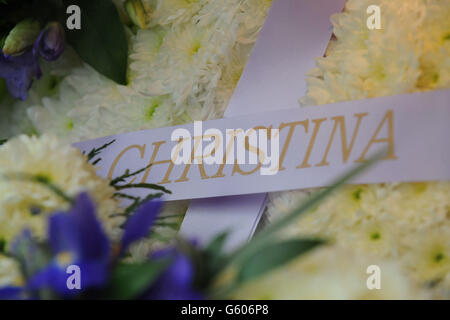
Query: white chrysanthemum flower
point(174, 11)
point(53, 114)
point(26, 204)
point(13, 119)
point(10, 274)
point(379, 219)
point(253, 12)
point(429, 256)
point(186, 55)
point(409, 54)
point(177, 73)
point(145, 49)
point(230, 78)
point(330, 273)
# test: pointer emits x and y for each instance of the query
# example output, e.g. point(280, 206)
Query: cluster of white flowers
point(408, 223)
point(183, 67)
point(26, 204)
point(331, 273)
point(411, 52)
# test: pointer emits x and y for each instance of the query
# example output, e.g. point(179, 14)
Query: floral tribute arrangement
point(157, 63)
point(64, 239)
point(405, 223)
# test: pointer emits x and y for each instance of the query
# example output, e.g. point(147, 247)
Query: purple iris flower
point(11, 293)
point(19, 71)
point(176, 282)
point(76, 238)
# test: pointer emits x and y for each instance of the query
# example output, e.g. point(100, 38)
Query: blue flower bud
point(51, 42)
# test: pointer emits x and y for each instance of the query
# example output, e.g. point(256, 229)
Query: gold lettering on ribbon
point(389, 118)
point(120, 155)
point(292, 126)
point(317, 124)
point(346, 149)
point(157, 145)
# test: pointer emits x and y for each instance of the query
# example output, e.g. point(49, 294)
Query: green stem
point(268, 234)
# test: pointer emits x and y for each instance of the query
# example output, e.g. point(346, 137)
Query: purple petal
point(139, 224)
point(176, 283)
point(94, 274)
point(11, 293)
point(19, 71)
point(93, 242)
point(62, 234)
point(55, 277)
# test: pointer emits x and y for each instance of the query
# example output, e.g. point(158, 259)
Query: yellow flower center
point(64, 258)
point(2, 245)
point(150, 110)
point(69, 125)
point(375, 235)
point(43, 178)
point(438, 257)
point(195, 47)
point(357, 194)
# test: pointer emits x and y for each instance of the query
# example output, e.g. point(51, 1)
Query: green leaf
point(267, 236)
point(102, 41)
point(96, 151)
point(273, 256)
point(217, 243)
point(143, 186)
point(131, 280)
point(22, 36)
point(215, 253)
point(40, 179)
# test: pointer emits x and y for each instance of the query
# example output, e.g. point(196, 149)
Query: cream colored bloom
point(183, 68)
point(410, 53)
point(10, 274)
point(401, 221)
point(429, 257)
point(330, 273)
point(174, 11)
point(25, 204)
